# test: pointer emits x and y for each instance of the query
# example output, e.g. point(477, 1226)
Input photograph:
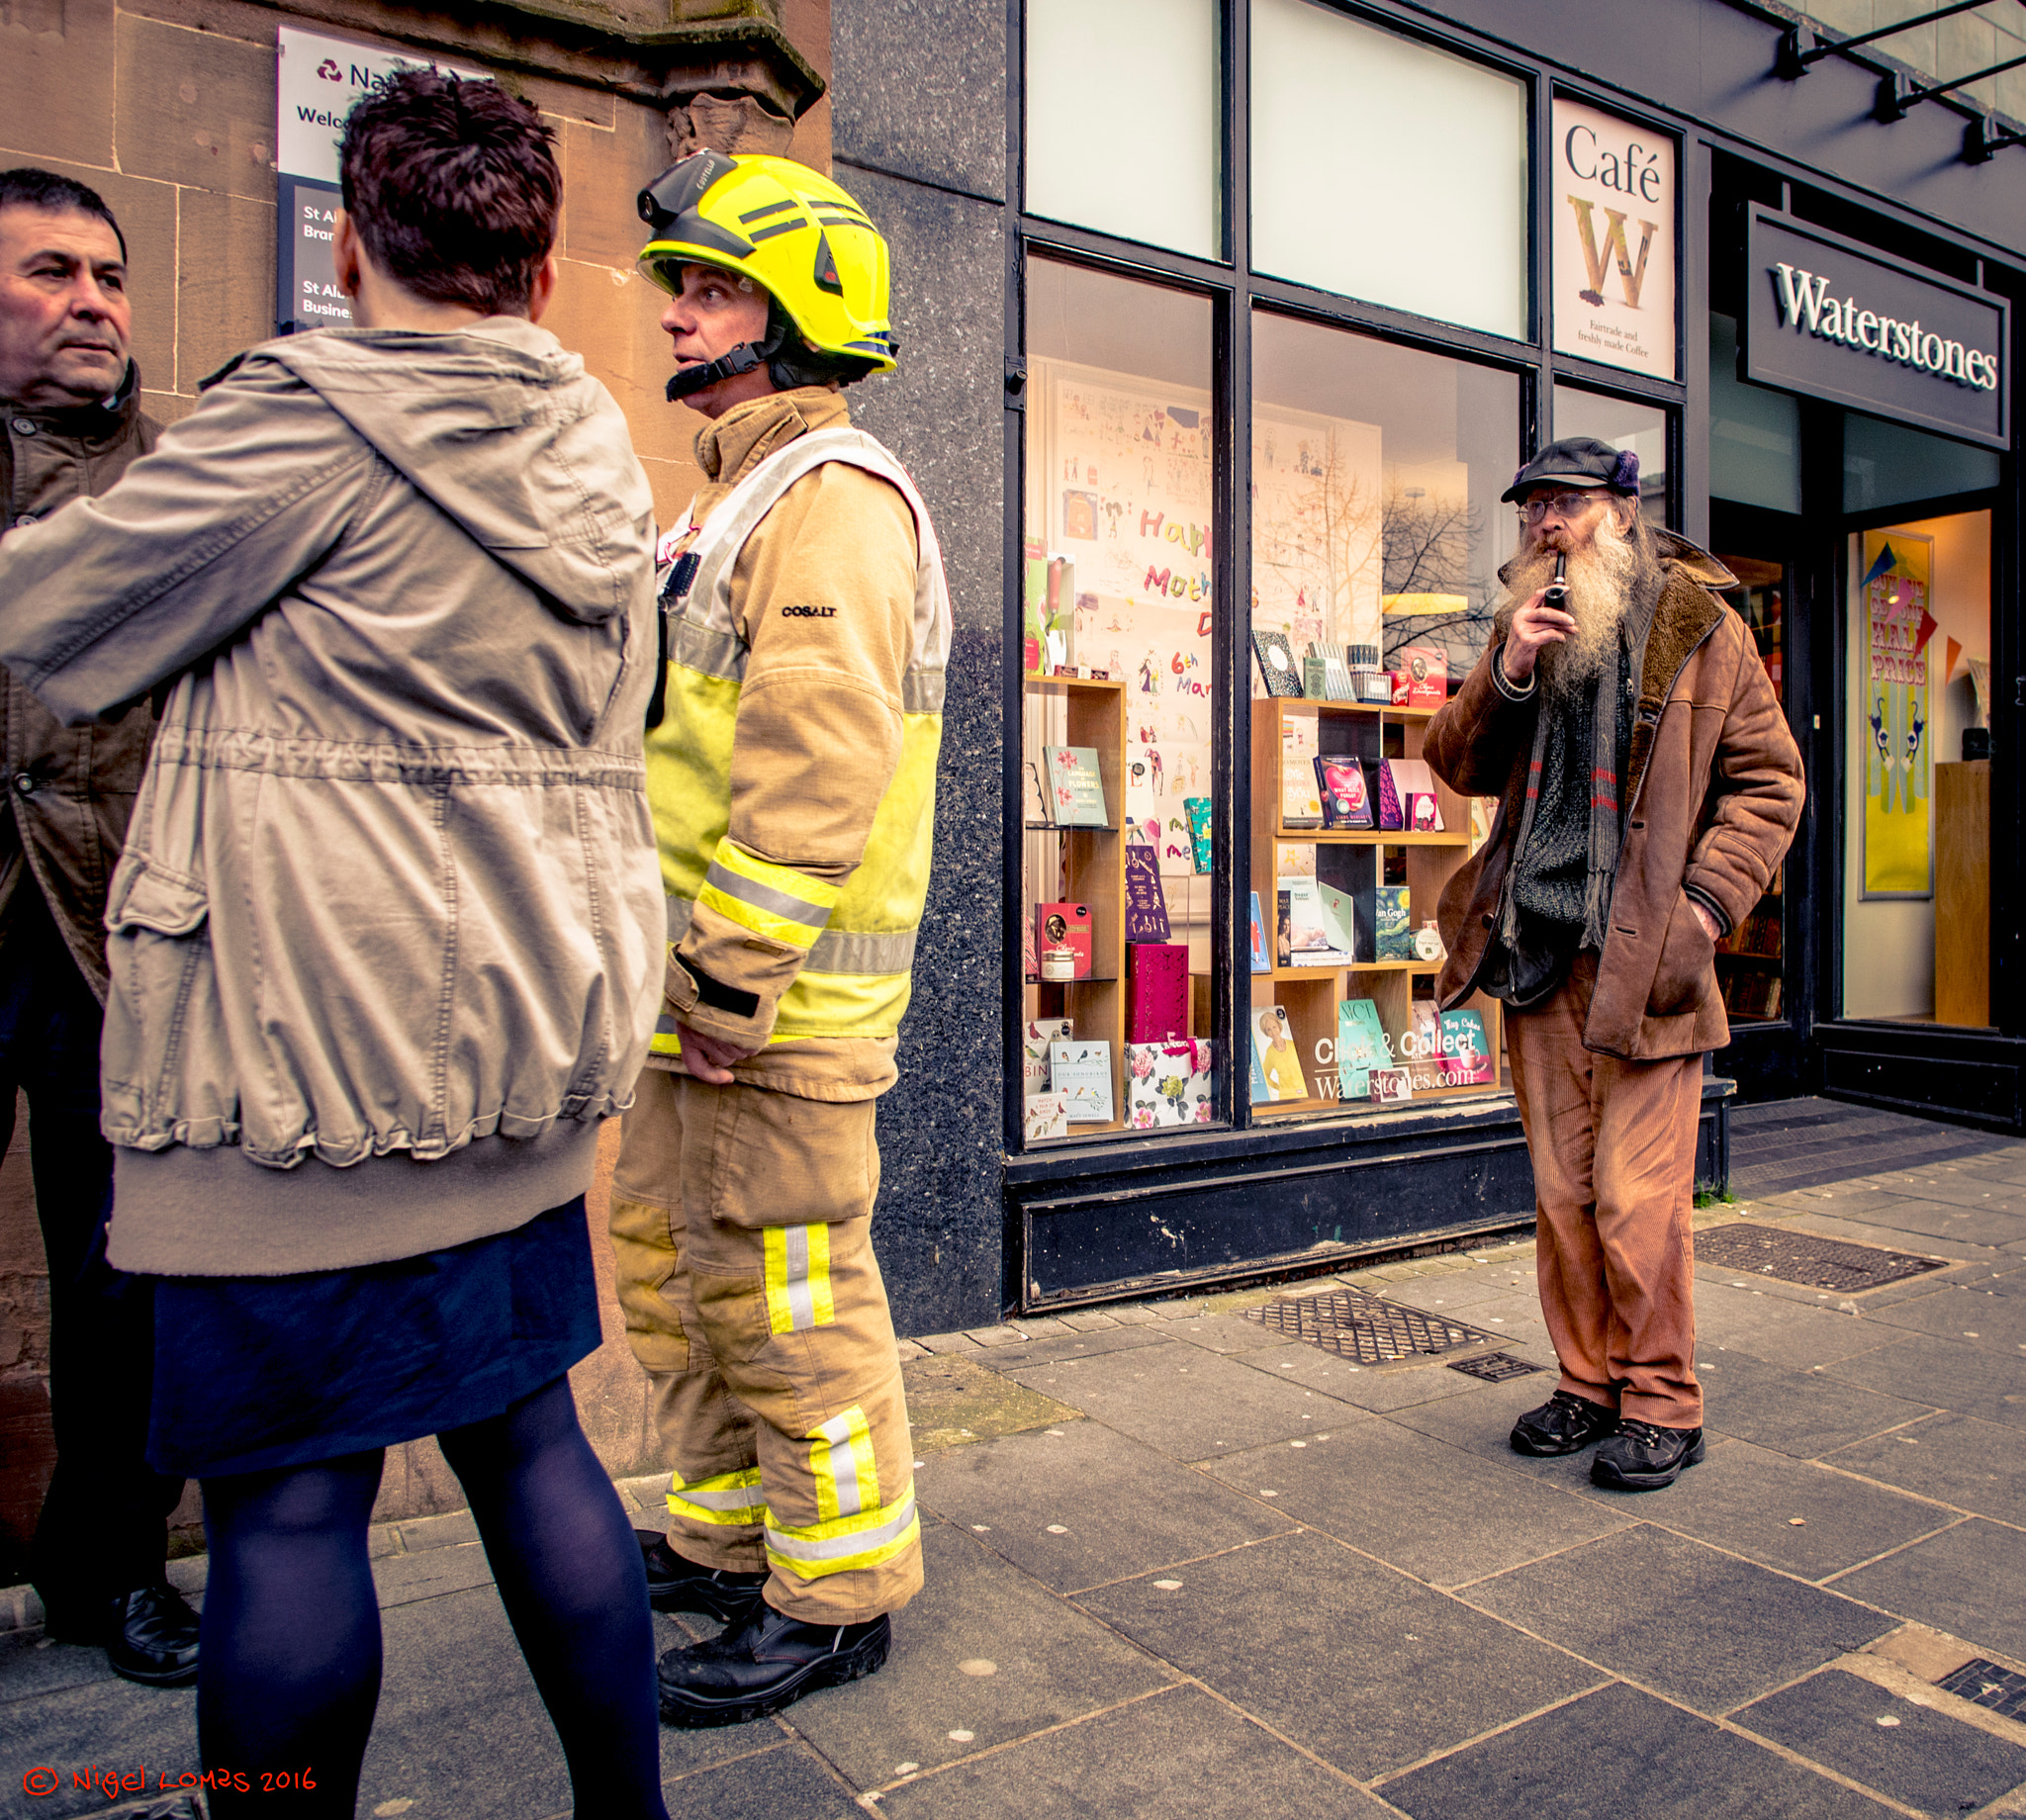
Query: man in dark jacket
point(71, 398)
point(1648, 789)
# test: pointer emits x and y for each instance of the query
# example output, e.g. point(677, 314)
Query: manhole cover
point(1805, 1258)
point(1984, 1684)
point(1495, 1367)
point(1373, 1331)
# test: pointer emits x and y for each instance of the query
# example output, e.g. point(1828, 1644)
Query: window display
point(1751, 964)
point(1625, 423)
point(1376, 540)
point(1117, 706)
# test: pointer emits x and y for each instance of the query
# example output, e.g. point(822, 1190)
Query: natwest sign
point(1835, 320)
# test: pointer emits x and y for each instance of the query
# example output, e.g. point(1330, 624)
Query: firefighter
point(792, 770)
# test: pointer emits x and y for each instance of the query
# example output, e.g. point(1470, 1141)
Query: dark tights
point(291, 1643)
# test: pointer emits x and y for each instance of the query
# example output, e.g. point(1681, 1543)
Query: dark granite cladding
point(920, 90)
point(941, 1224)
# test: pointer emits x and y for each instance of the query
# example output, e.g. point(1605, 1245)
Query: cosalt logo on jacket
point(1807, 306)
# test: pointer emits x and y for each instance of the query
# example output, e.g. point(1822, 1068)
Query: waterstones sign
point(1613, 240)
point(1835, 320)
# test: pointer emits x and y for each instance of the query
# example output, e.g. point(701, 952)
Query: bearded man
point(1648, 788)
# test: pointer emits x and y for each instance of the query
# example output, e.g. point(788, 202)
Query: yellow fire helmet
point(792, 231)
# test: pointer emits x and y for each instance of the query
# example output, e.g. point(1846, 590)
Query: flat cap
point(1578, 461)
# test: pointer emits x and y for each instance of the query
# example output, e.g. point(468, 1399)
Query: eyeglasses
point(1562, 504)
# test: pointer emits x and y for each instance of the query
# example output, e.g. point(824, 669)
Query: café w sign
point(1835, 320)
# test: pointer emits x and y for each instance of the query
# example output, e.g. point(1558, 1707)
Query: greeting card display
point(1076, 787)
point(1280, 1063)
point(1083, 1072)
point(1156, 991)
point(1167, 1083)
point(1069, 926)
point(1146, 902)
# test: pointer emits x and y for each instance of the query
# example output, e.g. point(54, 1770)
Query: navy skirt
point(257, 1373)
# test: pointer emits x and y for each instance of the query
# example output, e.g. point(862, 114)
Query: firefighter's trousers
point(742, 1227)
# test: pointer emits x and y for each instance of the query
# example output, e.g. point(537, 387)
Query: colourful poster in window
point(1894, 714)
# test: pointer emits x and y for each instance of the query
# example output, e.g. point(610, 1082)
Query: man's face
point(64, 316)
point(711, 315)
point(1561, 518)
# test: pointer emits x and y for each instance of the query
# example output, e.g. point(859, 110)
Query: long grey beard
point(1599, 579)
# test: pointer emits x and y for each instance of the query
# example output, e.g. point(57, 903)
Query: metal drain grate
point(1495, 1367)
point(1984, 1684)
point(1366, 1328)
point(1806, 1257)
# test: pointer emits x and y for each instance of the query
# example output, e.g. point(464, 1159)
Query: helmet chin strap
point(741, 359)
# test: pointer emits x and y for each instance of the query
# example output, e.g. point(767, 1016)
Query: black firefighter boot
point(763, 1663)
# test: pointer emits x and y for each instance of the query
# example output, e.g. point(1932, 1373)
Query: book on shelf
point(1262, 955)
point(1034, 1051)
point(1083, 1071)
point(1263, 1094)
point(1300, 805)
point(1412, 784)
point(1426, 668)
point(1361, 1047)
point(1047, 1115)
point(1299, 903)
point(1340, 784)
point(1075, 787)
point(1146, 901)
point(1386, 809)
point(1033, 578)
point(1423, 1040)
point(1059, 607)
point(1034, 801)
point(1277, 666)
point(1068, 926)
point(1168, 1083)
point(1200, 847)
point(1279, 1061)
point(1392, 923)
point(1156, 991)
point(1466, 1059)
point(1339, 920)
point(1390, 1086)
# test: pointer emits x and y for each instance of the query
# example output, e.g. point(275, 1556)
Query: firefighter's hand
point(707, 1058)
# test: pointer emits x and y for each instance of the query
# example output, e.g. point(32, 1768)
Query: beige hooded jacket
point(389, 896)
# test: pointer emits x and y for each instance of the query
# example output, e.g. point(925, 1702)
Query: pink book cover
point(1388, 799)
point(1157, 991)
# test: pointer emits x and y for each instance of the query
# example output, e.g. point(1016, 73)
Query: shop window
point(1124, 118)
point(1888, 464)
point(1751, 959)
point(1119, 705)
point(1387, 170)
point(1916, 931)
point(1754, 432)
point(1377, 535)
point(1625, 423)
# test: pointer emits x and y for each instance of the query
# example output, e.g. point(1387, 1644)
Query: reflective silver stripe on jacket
point(835, 951)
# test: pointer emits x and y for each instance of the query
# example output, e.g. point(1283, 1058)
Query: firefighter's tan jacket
point(793, 774)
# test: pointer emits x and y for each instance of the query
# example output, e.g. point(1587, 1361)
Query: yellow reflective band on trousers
point(853, 1528)
point(732, 1499)
point(797, 1270)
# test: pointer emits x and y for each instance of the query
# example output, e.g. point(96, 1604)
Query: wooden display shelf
point(1369, 836)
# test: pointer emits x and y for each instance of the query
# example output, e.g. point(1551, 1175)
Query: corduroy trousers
point(1613, 1150)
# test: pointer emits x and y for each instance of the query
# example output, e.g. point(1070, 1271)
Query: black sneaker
point(152, 1637)
point(677, 1584)
point(1564, 1424)
point(1642, 1458)
point(765, 1664)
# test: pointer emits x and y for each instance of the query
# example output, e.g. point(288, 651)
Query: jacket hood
point(1676, 552)
point(495, 424)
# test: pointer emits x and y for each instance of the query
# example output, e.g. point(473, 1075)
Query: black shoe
point(677, 1584)
point(152, 1637)
point(763, 1665)
point(1642, 1458)
point(1564, 1424)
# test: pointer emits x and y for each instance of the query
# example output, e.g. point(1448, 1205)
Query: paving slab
point(1377, 1388)
point(1367, 1667)
point(1745, 1499)
point(1949, 1186)
point(1791, 1334)
point(1087, 1505)
point(1616, 1755)
point(1179, 1755)
point(1969, 1580)
point(1454, 1291)
point(790, 1782)
point(1228, 1333)
point(1435, 1512)
point(402, 1580)
point(1966, 1224)
point(1018, 1354)
point(1957, 1460)
point(1949, 1374)
point(1931, 1762)
point(952, 1399)
point(1646, 1604)
point(101, 1723)
point(983, 1651)
point(1805, 1413)
point(1976, 1313)
point(1189, 1403)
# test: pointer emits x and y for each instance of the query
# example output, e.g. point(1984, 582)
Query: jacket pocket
point(167, 1078)
point(1688, 962)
